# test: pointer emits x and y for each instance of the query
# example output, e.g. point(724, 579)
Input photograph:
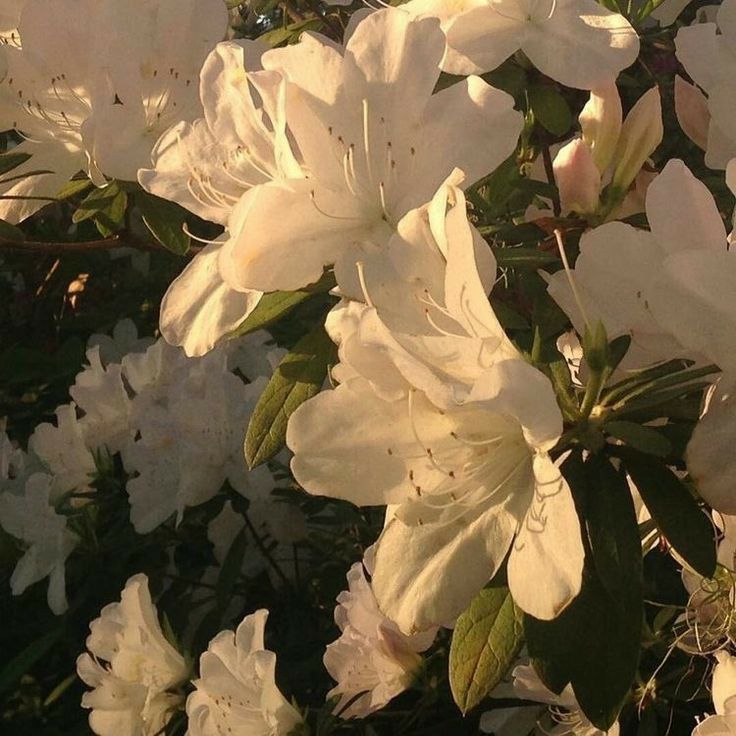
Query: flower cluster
point(446, 298)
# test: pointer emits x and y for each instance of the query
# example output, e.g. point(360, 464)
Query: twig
point(57, 248)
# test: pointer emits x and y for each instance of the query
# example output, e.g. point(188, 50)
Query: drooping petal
point(546, 563)
point(426, 576)
point(199, 308)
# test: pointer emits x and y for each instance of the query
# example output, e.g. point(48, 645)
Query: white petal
point(682, 212)
point(546, 563)
point(199, 308)
point(710, 458)
point(427, 575)
point(691, 108)
point(581, 44)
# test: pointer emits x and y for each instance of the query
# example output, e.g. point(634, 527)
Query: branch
point(56, 248)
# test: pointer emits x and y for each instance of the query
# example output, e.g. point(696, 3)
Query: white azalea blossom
point(30, 517)
point(372, 659)
point(134, 672)
point(124, 339)
point(190, 421)
point(375, 142)
point(723, 690)
point(567, 717)
point(208, 166)
point(576, 42)
point(469, 474)
point(708, 53)
point(9, 17)
point(78, 113)
point(236, 691)
point(64, 451)
point(620, 269)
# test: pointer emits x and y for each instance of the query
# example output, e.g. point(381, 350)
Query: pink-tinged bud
point(641, 133)
point(600, 121)
point(691, 108)
point(578, 179)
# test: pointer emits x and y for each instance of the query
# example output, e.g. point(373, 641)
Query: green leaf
point(231, 569)
point(522, 257)
point(550, 108)
point(674, 510)
point(75, 186)
point(613, 533)
point(275, 305)
point(297, 378)
point(11, 160)
point(22, 663)
point(595, 642)
point(641, 438)
point(486, 640)
point(165, 220)
point(96, 202)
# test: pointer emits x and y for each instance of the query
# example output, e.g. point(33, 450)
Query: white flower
point(99, 392)
point(723, 690)
point(460, 446)
point(576, 42)
point(567, 716)
point(372, 659)
point(625, 276)
point(706, 50)
point(63, 449)
point(236, 691)
point(208, 166)
point(31, 518)
point(133, 670)
point(189, 415)
point(78, 113)
point(375, 142)
point(124, 340)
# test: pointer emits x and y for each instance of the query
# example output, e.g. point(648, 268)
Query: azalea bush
point(367, 369)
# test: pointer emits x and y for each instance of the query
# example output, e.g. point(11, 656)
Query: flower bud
point(691, 108)
point(600, 121)
point(641, 133)
point(577, 176)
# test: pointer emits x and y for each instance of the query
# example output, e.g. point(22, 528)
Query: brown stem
point(55, 248)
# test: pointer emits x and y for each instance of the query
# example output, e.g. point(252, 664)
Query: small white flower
point(63, 449)
point(133, 670)
point(236, 691)
point(723, 690)
point(566, 714)
point(30, 518)
point(372, 659)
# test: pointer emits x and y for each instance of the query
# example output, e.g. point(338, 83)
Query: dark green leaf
point(673, 508)
point(297, 378)
point(231, 569)
point(11, 160)
point(613, 533)
point(97, 202)
point(594, 643)
point(522, 257)
point(10, 232)
point(646, 439)
point(486, 640)
point(550, 108)
point(165, 220)
point(13, 670)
